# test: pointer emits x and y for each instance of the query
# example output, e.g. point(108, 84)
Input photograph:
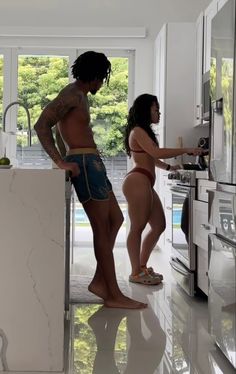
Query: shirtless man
point(70, 112)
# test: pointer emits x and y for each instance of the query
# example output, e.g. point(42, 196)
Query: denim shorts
point(92, 183)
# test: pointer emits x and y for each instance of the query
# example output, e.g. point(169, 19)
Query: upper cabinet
point(209, 14)
point(198, 71)
point(203, 56)
point(174, 81)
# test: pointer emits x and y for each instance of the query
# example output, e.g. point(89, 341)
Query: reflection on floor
point(170, 336)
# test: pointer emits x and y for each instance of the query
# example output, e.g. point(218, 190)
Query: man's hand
point(72, 167)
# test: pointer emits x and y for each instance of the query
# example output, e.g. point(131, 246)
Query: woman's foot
point(151, 271)
point(145, 278)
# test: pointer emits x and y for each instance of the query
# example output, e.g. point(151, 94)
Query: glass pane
point(1, 87)
point(40, 78)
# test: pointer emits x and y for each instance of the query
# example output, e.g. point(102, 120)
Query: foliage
point(40, 78)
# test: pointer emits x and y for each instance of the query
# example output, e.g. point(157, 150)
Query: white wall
point(55, 14)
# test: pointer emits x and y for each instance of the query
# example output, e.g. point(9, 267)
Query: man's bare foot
point(124, 302)
point(98, 289)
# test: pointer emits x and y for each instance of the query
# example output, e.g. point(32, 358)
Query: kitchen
point(138, 39)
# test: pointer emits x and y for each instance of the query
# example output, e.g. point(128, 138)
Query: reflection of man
point(70, 110)
point(185, 218)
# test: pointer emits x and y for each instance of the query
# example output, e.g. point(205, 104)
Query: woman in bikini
point(144, 205)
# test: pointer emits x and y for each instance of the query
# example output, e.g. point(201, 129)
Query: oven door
point(182, 207)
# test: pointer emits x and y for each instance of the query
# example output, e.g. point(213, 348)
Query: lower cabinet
point(201, 229)
point(202, 269)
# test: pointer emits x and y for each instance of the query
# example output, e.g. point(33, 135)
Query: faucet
point(28, 118)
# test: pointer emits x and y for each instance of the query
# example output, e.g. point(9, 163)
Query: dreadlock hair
point(140, 116)
point(90, 66)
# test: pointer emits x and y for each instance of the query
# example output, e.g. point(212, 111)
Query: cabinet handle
point(207, 273)
point(204, 226)
point(169, 241)
point(169, 208)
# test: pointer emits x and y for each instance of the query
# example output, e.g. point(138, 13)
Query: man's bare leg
point(98, 214)
point(98, 285)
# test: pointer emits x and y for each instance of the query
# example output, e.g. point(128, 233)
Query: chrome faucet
point(28, 118)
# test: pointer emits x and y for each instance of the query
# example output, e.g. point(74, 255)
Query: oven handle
point(180, 190)
point(175, 267)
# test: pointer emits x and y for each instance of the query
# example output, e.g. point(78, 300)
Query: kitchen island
point(32, 270)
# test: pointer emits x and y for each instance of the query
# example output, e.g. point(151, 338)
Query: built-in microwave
point(206, 97)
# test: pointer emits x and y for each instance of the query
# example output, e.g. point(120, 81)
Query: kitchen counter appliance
point(183, 252)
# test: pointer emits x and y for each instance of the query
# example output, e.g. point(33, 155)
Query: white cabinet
point(209, 13)
point(201, 230)
point(174, 57)
point(198, 71)
point(201, 227)
point(202, 269)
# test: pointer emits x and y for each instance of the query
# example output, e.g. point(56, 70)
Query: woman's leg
point(157, 224)
point(138, 193)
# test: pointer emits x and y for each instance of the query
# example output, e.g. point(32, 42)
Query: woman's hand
point(195, 151)
point(175, 167)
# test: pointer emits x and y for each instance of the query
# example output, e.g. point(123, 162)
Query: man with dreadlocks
point(69, 112)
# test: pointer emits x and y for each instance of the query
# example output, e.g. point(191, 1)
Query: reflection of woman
point(144, 205)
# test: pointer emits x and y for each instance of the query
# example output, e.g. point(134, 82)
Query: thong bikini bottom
point(145, 172)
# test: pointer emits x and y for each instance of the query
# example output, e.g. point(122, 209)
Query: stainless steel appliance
point(222, 202)
point(183, 253)
point(222, 270)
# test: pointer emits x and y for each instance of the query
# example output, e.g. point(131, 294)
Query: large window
point(40, 78)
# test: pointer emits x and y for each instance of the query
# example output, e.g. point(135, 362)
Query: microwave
point(206, 97)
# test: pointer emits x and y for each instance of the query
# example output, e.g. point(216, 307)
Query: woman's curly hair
point(140, 116)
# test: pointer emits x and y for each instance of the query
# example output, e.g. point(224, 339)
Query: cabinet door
point(202, 269)
point(201, 227)
point(199, 69)
point(209, 13)
point(160, 72)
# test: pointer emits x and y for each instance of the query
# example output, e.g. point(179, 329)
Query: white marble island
point(32, 270)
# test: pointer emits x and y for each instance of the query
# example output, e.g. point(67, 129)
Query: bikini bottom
point(145, 172)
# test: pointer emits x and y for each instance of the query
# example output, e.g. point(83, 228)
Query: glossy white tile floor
point(170, 336)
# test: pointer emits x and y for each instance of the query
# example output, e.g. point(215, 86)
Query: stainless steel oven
point(183, 254)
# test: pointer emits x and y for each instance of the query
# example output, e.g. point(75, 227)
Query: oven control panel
point(183, 177)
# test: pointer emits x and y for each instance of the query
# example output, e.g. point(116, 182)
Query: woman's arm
point(149, 146)
point(163, 165)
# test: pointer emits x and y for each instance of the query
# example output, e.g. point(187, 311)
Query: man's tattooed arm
point(53, 113)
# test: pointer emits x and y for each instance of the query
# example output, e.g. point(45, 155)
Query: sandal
point(144, 278)
point(151, 271)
